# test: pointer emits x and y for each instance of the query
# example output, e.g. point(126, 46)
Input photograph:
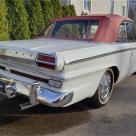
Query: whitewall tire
point(104, 90)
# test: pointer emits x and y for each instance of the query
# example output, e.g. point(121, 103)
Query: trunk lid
point(45, 45)
point(20, 55)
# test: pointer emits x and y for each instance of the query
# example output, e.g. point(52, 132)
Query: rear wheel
point(104, 90)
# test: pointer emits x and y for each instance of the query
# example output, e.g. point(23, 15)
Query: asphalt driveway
point(117, 118)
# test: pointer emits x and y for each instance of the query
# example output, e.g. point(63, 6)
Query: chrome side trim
point(17, 52)
point(42, 62)
point(29, 69)
point(98, 56)
point(15, 59)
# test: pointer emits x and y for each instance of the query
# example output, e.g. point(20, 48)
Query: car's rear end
point(32, 74)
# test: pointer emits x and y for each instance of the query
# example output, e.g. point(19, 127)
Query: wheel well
point(116, 73)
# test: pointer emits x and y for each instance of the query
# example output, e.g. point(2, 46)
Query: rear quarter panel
point(84, 70)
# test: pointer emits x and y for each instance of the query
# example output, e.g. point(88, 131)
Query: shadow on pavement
point(39, 120)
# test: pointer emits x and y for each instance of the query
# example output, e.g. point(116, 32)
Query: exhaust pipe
point(26, 105)
point(33, 97)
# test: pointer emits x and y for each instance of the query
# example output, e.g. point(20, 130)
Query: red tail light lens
point(46, 61)
point(46, 58)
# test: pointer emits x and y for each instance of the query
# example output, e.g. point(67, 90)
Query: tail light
point(46, 61)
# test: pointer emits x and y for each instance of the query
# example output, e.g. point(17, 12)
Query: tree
point(36, 19)
point(18, 19)
point(56, 8)
point(47, 10)
point(4, 29)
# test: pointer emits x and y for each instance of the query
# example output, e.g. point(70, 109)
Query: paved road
point(117, 118)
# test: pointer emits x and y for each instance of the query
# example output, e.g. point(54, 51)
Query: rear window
point(75, 29)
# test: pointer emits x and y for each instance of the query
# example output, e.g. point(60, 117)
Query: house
point(119, 7)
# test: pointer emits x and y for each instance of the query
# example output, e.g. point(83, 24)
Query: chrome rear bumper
point(36, 93)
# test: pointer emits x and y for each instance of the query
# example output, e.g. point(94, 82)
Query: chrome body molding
point(28, 68)
point(99, 56)
point(23, 54)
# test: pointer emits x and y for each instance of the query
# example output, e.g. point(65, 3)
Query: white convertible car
point(73, 59)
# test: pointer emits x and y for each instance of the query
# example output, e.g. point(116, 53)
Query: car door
point(125, 53)
point(131, 39)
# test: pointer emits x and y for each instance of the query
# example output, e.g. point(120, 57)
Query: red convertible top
point(109, 26)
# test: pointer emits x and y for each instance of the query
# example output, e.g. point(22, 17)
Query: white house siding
point(104, 6)
point(119, 7)
point(78, 6)
point(77, 3)
point(100, 6)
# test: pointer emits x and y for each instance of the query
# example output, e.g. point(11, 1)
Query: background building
point(119, 7)
point(132, 3)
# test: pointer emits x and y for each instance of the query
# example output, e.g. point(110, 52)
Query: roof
point(101, 16)
point(109, 25)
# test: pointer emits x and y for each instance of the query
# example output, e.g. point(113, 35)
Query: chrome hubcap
point(105, 87)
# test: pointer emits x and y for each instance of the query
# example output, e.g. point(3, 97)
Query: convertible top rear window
point(74, 29)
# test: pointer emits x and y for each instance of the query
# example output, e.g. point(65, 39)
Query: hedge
point(36, 19)
point(72, 10)
point(47, 10)
point(68, 11)
point(65, 11)
point(18, 20)
point(4, 28)
point(24, 19)
point(57, 8)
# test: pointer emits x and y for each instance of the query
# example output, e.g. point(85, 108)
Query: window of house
point(87, 5)
point(112, 7)
point(123, 10)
